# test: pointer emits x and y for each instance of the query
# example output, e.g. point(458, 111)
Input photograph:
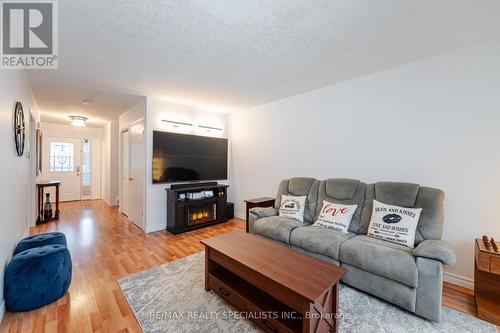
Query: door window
point(86, 165)
point(62, 156)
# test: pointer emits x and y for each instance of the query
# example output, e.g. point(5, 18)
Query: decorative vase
point(47, 208)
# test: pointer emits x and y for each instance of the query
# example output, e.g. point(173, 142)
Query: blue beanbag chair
point(40, 240)
point(37, 277)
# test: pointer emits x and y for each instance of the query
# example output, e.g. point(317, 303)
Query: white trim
point(156, 227)
point(2, 311)
point(111, 204)
point(241, 216)
point(459, 280)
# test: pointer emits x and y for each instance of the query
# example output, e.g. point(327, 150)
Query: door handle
point(131, 178)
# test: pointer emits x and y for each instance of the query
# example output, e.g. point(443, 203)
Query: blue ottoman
point(37, 277)
point(40, 240)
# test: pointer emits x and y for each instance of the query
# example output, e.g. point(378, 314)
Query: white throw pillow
point(335, 216)
point(293, 207)
point(394, 224)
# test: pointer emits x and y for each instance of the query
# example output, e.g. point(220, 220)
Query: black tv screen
point(183, 157)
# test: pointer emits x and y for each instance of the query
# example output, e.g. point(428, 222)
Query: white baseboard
point(2, 311)
point(241, 216)
point(459, 280)
point(111, 204)
point(156, 227)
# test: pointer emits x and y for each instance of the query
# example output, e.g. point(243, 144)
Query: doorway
point(125, 161)
point(61, 161)
point(137, 155)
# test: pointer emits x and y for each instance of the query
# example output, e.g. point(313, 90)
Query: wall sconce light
point(177, 124)
point(211, 128)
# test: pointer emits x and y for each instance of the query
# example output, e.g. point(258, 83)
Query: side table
point(257, 202)
point(487, 282)
point(40, 187)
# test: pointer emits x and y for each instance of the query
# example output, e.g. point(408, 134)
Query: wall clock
point(19, 128)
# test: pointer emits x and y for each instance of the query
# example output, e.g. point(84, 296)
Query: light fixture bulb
point(77, 121)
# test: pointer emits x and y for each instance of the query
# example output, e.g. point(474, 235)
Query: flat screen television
point(183, 157)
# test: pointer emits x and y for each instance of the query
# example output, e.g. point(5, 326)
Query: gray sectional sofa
point(409, 278)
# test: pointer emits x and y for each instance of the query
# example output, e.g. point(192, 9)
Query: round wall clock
point(19, 128)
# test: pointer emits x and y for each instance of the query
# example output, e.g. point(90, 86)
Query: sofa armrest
point(259, 212)
point(437, 250)
point(264, 211)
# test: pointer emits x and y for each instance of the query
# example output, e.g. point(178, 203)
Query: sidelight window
point(86, 165)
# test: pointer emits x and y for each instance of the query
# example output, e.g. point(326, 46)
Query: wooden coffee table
point(279, 289)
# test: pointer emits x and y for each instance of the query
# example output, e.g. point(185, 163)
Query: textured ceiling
point(229, 55)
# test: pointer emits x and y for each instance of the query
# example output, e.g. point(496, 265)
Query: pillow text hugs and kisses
point(293, 207)
point(335, 216)
point(394, 224)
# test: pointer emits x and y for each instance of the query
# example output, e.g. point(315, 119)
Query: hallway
point(104, 246)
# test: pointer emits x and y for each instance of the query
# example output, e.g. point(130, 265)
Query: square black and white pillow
point(394, 224)
point(293, 207)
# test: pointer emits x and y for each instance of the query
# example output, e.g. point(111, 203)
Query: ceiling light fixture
point(78, 121)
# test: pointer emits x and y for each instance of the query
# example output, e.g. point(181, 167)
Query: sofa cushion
point(431, 200)
point(346, 192)
point(293, 207)
point(299, 186)
point(394, 223)
point(335, 216)
point(319, 240)
point(276, 227)
point(389, 260)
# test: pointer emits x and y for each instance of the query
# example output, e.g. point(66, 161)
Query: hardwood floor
point(105, 246)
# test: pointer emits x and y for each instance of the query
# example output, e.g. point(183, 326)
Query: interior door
point(61, 161)
point(125, 161)
point(137, 158)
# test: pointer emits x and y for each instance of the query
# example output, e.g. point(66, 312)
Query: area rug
point(172, 298)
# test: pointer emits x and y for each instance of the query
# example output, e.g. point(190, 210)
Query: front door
point(61, 161)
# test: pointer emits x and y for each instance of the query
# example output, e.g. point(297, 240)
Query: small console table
point(258, 202)
point(40, 187)
point(487, 281)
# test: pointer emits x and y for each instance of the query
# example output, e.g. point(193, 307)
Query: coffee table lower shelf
point(261, 308)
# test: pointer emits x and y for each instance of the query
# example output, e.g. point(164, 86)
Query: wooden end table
point(487, 282)
point(279, 289)
point(40, 187)
point(257, 202)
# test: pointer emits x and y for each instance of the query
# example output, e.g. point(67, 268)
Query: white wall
point(435, 122)
point(96, 136)
point(15, 207)
point(111, 163)
point(135, 113)
point(158, 110)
